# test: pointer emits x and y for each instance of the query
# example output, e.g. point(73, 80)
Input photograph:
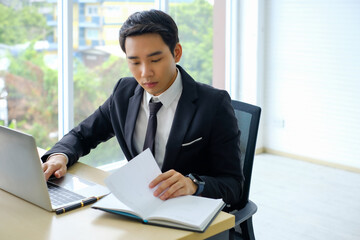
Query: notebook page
point(130, 183)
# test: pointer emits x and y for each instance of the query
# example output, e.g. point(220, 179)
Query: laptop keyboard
point(62, 196)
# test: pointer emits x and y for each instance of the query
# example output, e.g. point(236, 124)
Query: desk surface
point(22, 220)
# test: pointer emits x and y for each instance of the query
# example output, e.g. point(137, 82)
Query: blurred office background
point(297, 59)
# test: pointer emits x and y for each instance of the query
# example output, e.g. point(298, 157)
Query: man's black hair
point(152, 21)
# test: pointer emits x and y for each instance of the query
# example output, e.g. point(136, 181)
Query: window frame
point(65, 66)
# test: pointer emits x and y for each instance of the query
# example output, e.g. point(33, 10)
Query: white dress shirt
point(165, 116)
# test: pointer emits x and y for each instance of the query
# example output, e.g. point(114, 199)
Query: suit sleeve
point(226, 178)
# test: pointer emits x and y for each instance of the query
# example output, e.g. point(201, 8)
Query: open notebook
point(132, 197)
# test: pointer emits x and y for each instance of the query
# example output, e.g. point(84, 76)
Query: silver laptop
point(21, 174)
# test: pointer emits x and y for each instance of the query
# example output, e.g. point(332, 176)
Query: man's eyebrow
point(154, 53)
point(149, 55)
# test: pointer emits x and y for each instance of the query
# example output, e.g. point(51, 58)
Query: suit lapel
point(131, 116)
point(183, 116)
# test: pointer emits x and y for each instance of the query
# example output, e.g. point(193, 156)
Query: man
point(197, 141)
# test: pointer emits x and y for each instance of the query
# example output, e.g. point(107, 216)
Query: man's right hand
point(55, 165)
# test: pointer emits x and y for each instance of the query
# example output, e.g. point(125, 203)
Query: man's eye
point(135, 63)
point(156, 60)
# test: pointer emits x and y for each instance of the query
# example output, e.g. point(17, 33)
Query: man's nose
point(146, 71)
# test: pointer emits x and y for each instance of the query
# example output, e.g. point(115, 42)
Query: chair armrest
point(244, 213)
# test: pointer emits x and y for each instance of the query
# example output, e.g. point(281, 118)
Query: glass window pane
point(195, 22)
point(28, 69)
point(99, 62)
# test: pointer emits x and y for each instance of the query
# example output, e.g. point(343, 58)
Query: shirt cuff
point(67, 159)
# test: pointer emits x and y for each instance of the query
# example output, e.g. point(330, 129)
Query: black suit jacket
point(203, 114)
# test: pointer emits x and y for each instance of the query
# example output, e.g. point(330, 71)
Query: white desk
point(22, 220)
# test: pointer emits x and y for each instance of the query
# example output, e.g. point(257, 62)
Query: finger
point(177, 189)
point(57, 170)
point(55, 165)
point(161, 178)
point(167, 183)
point(49, 171)
point(172, 185)
point(183, 187)
point(44, 167)
point(60, 173)
point(179, 192)
point(166, 188)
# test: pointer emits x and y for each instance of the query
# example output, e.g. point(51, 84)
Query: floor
point(301, 200)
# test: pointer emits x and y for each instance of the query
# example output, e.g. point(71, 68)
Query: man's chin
point(152, 91)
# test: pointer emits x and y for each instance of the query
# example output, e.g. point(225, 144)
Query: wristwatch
point(198, 181)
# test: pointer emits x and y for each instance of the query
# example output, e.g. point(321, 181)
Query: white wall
point(311, 79)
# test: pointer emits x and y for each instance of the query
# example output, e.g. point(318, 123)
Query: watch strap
point(198, 181)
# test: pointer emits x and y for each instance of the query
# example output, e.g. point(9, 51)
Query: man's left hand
point(172, 184)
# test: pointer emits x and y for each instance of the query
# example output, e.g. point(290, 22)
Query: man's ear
point(177, 52)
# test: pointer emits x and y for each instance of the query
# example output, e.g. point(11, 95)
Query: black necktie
point(151, 128)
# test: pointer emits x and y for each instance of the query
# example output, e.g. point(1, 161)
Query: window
point(92, 34)
point(28, 72)
point(98, 64)
point(195, 22)
point(112, 11)
point(91, 10)
point(28, 57)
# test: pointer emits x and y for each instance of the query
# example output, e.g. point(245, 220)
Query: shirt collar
point(167, 97)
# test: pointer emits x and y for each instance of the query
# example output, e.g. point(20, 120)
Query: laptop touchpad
point(71, 182)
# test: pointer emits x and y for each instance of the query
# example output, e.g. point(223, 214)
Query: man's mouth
point(150, 84)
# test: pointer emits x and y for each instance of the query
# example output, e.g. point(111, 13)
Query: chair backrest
point(248, 117)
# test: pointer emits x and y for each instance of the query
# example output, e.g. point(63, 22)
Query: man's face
point(151, 62)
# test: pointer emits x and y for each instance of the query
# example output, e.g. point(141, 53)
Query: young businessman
point(197, 141)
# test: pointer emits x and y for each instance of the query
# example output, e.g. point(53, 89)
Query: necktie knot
point(154, 107)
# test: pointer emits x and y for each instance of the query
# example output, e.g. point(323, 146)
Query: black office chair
point(248, 117)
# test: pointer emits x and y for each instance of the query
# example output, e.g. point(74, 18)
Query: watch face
point(196, 179)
